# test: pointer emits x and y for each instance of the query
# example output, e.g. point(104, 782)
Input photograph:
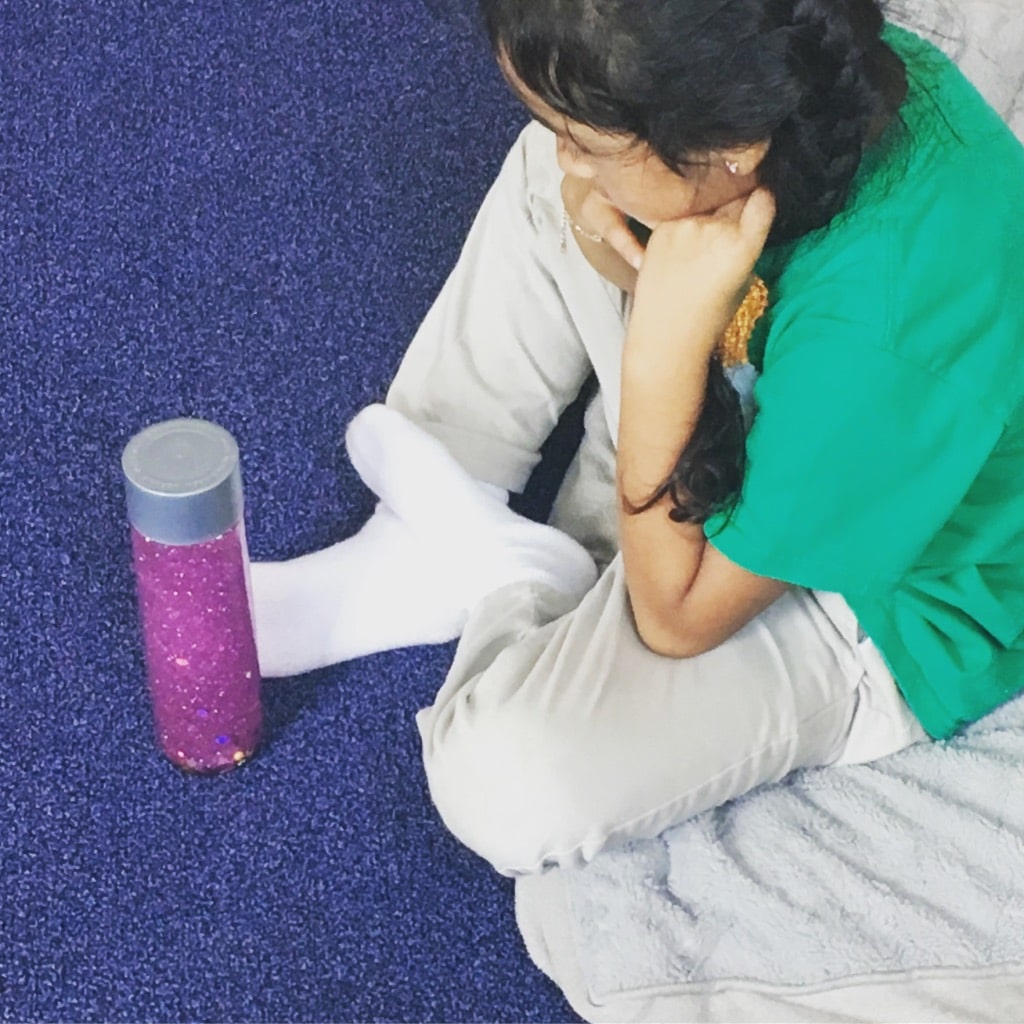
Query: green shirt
point(886, 460)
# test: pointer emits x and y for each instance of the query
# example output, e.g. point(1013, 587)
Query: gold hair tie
point(732, 349)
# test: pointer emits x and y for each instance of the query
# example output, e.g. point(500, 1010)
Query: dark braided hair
point(690, 77)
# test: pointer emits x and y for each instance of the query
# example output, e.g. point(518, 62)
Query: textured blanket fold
point(892, 891)
point(913, 863)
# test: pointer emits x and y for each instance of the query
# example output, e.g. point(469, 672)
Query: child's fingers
point(608, 222)
point(731, 211)
point(757, 216)
point(624, 242)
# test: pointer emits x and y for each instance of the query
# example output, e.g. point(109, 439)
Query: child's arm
point(686, 596)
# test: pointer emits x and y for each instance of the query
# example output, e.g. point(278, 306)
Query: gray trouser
point(557, 732)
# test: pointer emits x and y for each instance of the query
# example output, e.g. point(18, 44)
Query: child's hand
point(696, 271)
point(601, 232)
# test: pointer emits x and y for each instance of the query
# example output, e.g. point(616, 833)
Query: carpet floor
point(238, 211)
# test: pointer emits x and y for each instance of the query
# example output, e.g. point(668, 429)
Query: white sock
point(483, 542)
point(375, 591)
point(402, 582)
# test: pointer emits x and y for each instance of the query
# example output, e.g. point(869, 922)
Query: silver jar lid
point(183, 481)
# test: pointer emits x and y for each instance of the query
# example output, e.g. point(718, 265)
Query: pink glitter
point(200, 653)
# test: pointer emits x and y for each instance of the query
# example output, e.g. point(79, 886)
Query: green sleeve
point(856, 460)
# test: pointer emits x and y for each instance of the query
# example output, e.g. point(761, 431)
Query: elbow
point(669, 639)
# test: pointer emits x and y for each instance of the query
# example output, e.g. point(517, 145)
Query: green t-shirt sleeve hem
point(745, 551)
point(856, 461)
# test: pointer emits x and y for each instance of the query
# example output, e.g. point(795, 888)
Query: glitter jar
point(184, 491)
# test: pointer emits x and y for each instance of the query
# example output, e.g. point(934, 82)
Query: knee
point(507, 784)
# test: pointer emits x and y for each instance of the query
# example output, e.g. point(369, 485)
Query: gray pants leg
point(558, 733)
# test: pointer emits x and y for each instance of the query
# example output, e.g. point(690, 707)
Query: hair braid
point(851, 84)
point(846, 84)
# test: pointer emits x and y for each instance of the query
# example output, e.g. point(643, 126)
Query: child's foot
point(409, 576)
point(376, 591)
point(483, 543)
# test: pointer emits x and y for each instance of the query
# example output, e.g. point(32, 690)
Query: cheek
point(650, 196)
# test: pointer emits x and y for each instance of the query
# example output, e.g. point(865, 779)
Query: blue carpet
point(238, 211)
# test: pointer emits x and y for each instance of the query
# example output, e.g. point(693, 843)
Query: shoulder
point(924, 264)
point(533, 160)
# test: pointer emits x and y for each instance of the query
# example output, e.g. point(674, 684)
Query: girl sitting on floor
point(709, 609)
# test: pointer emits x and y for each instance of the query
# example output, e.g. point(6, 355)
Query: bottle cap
point(183, 481)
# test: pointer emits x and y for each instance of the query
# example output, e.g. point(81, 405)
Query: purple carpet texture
point(240, 212)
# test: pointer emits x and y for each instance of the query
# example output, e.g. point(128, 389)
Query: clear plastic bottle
point(184, 491)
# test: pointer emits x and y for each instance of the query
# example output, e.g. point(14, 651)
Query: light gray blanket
point(986, 39)
point(913, 863)
point(892, 891)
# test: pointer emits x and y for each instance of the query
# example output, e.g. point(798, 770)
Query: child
point(849, 580)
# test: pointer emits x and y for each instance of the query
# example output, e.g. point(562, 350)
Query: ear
point(745, 159)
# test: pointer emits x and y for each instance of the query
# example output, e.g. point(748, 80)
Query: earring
point(732, 166)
